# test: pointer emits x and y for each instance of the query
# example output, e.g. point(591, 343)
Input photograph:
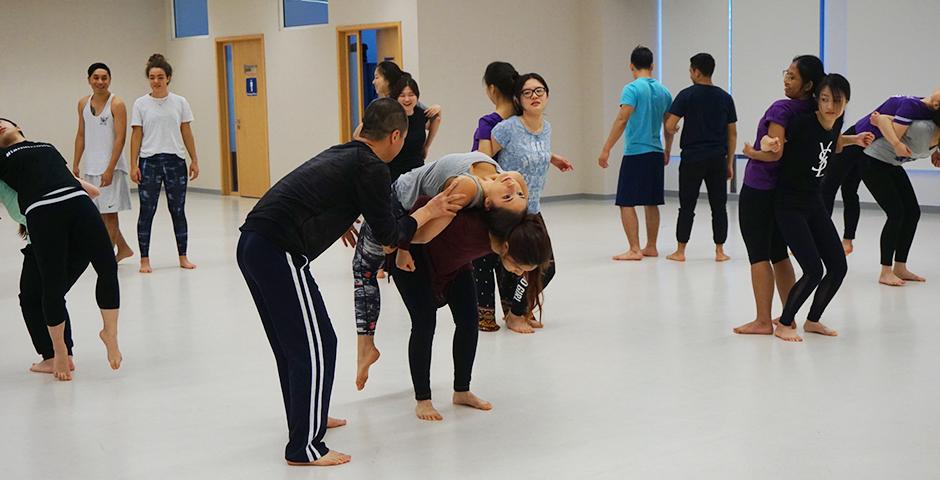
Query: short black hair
point(96, 66)
point(11, 122)
point(406, 80)
point(642, 58)
point(704, 63)
point(382, 117)
point(838, 86)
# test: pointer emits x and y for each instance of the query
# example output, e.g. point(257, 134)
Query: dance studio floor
point(636, 374)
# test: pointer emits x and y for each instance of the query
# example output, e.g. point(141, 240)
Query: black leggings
point(812, 237)
point(714, 172)
point(513, 289)
point(759, 228)
point(31, 301)
point(418, 295)
point(66, 232)
point(892, 189)
point(845, 173)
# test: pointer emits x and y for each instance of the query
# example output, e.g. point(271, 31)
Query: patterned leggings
point(169, 170)
point(367, 260)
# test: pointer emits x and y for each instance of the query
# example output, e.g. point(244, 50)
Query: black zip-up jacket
point(314, 205)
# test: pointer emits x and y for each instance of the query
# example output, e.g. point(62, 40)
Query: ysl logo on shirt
point(824, 151)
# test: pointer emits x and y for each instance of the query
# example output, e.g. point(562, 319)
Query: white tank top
point(99, 141)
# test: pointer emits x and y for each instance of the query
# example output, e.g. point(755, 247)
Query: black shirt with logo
point(806, 155)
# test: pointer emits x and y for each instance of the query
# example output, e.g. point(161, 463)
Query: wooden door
point(251, 118)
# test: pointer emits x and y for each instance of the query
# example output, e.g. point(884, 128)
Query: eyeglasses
point(538, 92)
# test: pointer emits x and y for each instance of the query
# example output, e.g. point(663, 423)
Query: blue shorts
point(642, 180)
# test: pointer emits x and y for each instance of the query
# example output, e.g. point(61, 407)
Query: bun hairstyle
point(96, 66)
point(503, 76)
point(390, 71)
point(529, 245)
point(158, 61)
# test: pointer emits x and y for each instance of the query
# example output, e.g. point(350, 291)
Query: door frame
point(222, 89)
point(342, 72)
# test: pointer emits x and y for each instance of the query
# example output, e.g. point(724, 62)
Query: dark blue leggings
point(171, 171)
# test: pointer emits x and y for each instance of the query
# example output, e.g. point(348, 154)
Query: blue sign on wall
point(251, 86)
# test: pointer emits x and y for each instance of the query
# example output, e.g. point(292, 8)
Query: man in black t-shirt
point(708, 144)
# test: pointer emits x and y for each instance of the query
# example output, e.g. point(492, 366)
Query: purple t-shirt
point(763, 175)
point(484, 129)
point(904, 109)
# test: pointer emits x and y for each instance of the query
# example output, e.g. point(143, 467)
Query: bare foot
point(650, 251)
point(60, 368)
point(787, 334)
point(847, 246)
point(816, 327)
point(891, 279)
point(629, 255)
point(518, 324)
point(380, 274)
point(425, 411)
point(111, 344)
point(757, 327)
point(123, 253)
point(145, 265)
point(330, 459)
point(532, 321)
point(367, 356)
point(676, 256)
point(471, 400)
point(335, 422)
point(45, 366)
point(720, 255)
point(907, 275)
point(185, 263)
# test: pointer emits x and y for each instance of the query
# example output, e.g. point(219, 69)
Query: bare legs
point(631, 227)
point(112, 223)
point(764, 277)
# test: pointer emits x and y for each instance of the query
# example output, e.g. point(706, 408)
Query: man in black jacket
point(298, 219)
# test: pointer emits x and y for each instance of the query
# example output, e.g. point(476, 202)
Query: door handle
point(238, 124)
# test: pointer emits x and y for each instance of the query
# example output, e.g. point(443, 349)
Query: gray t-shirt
point(918, 138)
point(430, 179)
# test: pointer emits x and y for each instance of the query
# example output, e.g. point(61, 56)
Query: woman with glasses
point(524, 143)
point(766, 249)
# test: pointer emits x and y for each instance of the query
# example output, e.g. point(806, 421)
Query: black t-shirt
point(412, 153)
point(707, 110)
point(806, 154)
point(34, 169)
point(311, 207)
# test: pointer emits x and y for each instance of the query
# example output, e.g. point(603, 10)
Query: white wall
point(301, 75)
point(47, 48)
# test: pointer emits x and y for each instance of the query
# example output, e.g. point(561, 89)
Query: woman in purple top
point(846, 168)
point(766, 249)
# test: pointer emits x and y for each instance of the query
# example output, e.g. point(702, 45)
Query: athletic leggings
point(419, 297)
point(844, 173)
point(64, 235)
point(169, 170)
point(513, 289)
point(367, 260)
point(301, 336)
point(892, 189)
point(31, 301)
point(713, 171)
point(808, 230)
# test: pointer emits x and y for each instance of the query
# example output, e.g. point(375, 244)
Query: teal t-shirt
point(8, 197)
point(650, 101)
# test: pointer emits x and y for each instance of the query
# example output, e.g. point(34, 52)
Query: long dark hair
point(503, 76)
point(529, 244)
point(390, 71)
point(811, 70)
point(501, 221)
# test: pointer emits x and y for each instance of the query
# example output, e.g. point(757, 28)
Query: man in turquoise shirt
point(644, 104)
